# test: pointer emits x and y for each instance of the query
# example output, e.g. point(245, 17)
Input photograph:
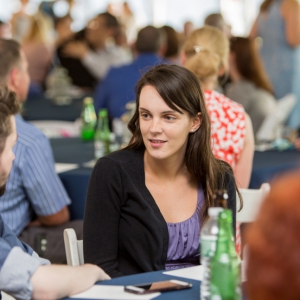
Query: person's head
point(266, 5)
point(244, 59)
point(39, 30)
point(205, 53)
point(100, 28)
point(217, 20)
point(188, 27)
point(172, 42)
point(149, 40)
point(14, 68)
point(8, 136)
point(5, 30)
point(175, 94)
point(62, 27)
point(273, 242)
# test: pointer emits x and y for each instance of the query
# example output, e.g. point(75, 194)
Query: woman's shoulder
point(123, 156)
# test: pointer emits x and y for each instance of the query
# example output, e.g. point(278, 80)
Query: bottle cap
point(88, 100)
point(214, 211)
point(103, 112)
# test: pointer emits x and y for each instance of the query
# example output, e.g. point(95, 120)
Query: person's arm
point(102, 216)
point(254, 30)
point(243, 167)
point(42, 185)
point(58, 281)
point(291, 14)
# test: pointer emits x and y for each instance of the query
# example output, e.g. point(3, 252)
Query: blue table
point(188, 294)
point(192, 293)
point(41, 108)
point(266, 166)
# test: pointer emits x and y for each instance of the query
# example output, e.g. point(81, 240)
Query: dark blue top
point(118, 87)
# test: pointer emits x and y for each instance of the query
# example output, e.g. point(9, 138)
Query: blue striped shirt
point(33, 187)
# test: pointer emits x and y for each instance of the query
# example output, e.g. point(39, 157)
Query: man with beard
point(23, 274)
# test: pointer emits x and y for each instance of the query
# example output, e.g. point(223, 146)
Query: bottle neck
point(225, 242)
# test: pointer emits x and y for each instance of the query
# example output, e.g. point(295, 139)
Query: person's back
point(277, 24)
point(117, 88)
point(256, 101)
point(205, 53)
point(277, 55)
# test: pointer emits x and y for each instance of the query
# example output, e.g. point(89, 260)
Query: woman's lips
point(156, 143)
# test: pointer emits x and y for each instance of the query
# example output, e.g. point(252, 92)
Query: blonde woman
point(205, 53)
point(38, 48)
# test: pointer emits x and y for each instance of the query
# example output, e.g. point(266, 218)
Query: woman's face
point(164, 130)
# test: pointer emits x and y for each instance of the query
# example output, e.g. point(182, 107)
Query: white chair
point(276, 118)
point(7, 297)
point(252, 200)
point(74, 248)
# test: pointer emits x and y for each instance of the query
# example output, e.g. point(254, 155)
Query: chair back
point(252, 199)
point(73, 247)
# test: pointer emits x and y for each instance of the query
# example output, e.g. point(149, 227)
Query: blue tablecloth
point(266, 166)
point(41, 108)
point(188, 294)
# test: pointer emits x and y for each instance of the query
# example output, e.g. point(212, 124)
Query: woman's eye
point(145, 115)
point(170, 118)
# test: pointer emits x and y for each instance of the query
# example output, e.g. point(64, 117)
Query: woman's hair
point(172, 42)
point(181, 91)
point(248, 62)
point(207, 51)
point(265, 5)
point(273, 242)
point(40, 30)
point(9, 106)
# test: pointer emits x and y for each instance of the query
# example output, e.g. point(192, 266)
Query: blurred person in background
point(87, 56)
point(127, 20)
point(273, 265)
point(20, 21)
point(63, 29)
point(117, 88)
point(217, 20)
point(249, 85)
point(38, 48)
point(172, 44)
point(278, 25)
point(23, 274)
point(35, 205)
point(5, 30)
point(206, 53)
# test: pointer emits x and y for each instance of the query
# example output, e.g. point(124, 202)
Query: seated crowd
point(147, 202)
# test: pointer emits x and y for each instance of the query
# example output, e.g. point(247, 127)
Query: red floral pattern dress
point(228, 126)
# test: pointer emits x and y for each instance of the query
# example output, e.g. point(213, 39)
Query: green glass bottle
point(225, 265)
point(102, 135)
point(89, 120)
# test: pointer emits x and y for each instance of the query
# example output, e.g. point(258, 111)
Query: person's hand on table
point(75, 49)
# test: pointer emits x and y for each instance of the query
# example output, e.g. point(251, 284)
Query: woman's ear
point(196, 122)
point(182, 58)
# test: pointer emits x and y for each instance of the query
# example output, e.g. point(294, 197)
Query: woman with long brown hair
point(249, 85)
point(146, 203)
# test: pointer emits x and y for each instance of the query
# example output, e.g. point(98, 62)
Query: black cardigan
point(124, 230)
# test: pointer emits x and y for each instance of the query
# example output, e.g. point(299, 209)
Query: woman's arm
point(290, 10)
point(253, 31)
point(102, 216)
point(243, 167)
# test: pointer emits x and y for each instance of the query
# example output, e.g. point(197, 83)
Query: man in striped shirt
point(35, 203)
point(23, 274)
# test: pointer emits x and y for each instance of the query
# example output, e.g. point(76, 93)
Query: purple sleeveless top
point(183, 250)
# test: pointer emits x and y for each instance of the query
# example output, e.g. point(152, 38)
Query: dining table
point(267, 166)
